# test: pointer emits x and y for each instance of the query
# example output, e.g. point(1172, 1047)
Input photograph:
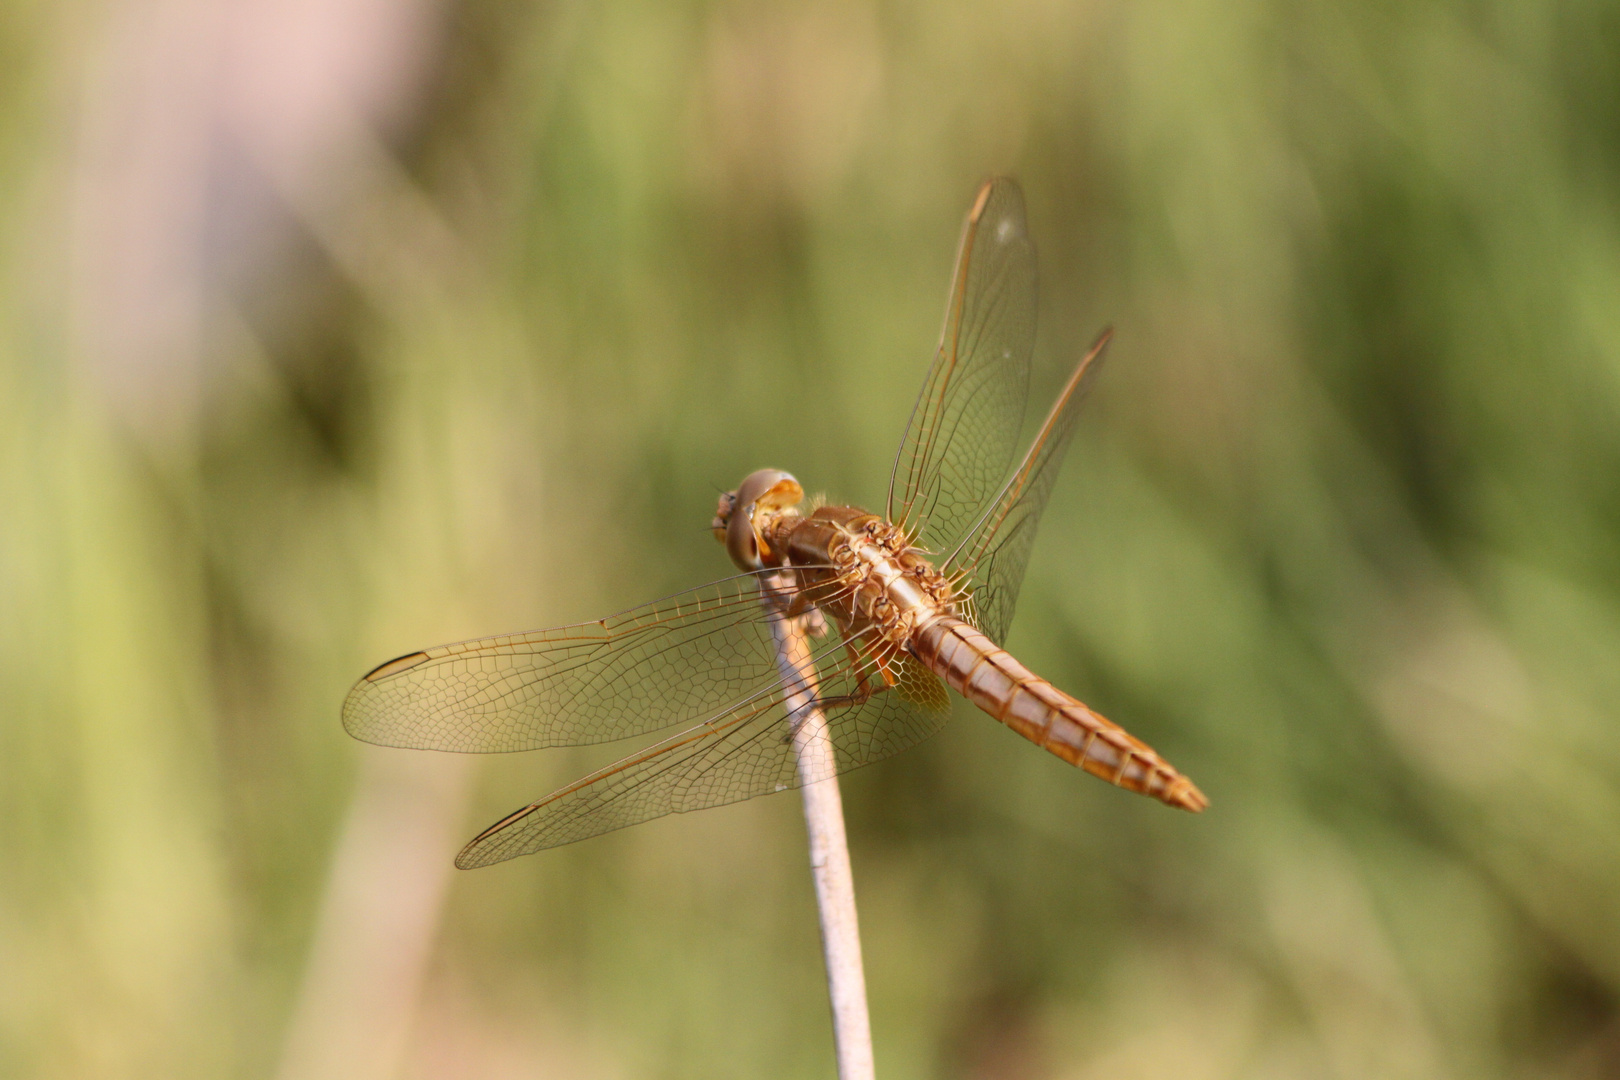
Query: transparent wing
point(992, 557)
point(740, 752)
point(964, 428)
point(673, 661)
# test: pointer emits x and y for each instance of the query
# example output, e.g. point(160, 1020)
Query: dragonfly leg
point(859, 696)
point(862, 666)
point(798, 605)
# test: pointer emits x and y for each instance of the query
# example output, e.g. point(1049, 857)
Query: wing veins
point(705, 754)
point(957, 307)
point(671, 661)
point(961, 434)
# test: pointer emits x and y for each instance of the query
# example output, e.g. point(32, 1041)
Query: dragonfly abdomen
point(994, 680)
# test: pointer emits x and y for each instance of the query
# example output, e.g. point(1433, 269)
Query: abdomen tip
point(1187, 797)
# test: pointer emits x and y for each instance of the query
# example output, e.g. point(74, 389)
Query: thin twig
point(829, 849)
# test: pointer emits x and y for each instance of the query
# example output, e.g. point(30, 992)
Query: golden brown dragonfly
point(902, 605)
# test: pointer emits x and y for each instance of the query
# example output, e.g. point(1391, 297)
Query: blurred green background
point(334, 330)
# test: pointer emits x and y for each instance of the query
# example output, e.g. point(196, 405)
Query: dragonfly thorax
point(864, 572)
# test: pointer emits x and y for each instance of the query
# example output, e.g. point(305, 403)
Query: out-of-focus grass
point(1339, 537)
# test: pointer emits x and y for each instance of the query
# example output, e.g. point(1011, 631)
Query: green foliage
point(1340, 537)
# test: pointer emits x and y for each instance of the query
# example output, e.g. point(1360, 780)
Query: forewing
point(993, 556)
point(964, 428)
point(741, 752)
point(673, 661)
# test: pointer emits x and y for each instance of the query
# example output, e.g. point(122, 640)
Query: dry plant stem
point(829, 850)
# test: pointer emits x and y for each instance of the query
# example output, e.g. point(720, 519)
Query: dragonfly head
point(740, 519)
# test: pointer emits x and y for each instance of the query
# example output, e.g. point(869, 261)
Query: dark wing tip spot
point(395, 666)
point(479, 852)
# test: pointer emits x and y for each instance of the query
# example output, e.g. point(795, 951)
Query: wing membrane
point(706, 659)
point(743, 751)
point(995, 552)
point(670, 662)
point(964, 428)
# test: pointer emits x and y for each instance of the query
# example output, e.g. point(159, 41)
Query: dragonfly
point(901, 605)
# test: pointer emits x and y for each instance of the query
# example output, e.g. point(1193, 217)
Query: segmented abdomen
point(989, 676)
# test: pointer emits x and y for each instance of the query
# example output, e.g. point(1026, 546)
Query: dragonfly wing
point(993, 555)
point(669, 662)
point(741, 752)
point(964, 428)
